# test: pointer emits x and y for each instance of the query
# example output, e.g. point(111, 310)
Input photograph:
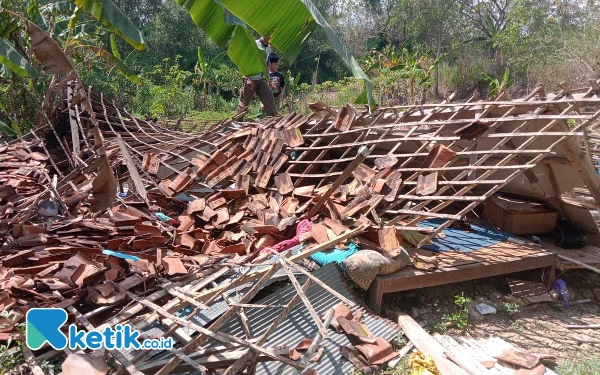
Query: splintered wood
point(144, 222)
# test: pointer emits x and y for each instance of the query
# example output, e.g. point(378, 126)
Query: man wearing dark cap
point(277, 79)
point(257, 84)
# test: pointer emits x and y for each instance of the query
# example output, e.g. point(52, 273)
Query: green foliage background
point(411, 49)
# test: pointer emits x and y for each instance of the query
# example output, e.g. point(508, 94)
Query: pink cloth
point(302, 227)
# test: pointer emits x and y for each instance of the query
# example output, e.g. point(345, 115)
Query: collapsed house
point(121, 220)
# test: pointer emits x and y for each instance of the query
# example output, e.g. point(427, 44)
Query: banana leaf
point(113, 47)
point(59, 7)
point(289, 23)
point(111, 16)
point(34, 14)
point(14, 130)
point(243, 52)
point(80, 30)
point(210, 17)
point(341, 49)
point(14, 61)
point(7, 130)
point(45, 49)
point(5, 72)
point(201, 62)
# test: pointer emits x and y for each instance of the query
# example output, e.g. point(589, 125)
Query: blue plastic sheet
point(336, 255)
point(121, 255)
point(460, 240)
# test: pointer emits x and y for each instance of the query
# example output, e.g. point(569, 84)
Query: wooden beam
point(31, 362)
point(318, 338)
point(304, 298)
point(249, 359)
point(575, 261)
point(427, 345)
point(133, 171)
point(572, 151)
point(506, 136)
point(586, 326)
point(363, 152)
point(191, 345)
point(321, 284)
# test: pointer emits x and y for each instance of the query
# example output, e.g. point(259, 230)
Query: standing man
point(263, 44)
point(277, 79)
point(257, 84)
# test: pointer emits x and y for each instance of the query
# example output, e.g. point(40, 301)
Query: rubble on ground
point(109, 216)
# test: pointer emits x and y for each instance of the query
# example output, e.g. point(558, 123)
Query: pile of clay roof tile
point(120, 214)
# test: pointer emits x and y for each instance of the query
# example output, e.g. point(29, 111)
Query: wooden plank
point(575, 261)
point(304, 298)
point(454, 124)
point(427, 345)
point(420, 154)
point(73, 123)
point(133, 171)
point(461, 168)
point(430, 138)
point(414, 279)
point(30, 360)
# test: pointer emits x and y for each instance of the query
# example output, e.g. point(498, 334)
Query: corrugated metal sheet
point(299, 324)
point(217, 308)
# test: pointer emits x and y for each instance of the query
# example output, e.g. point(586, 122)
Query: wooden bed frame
point(454, 266)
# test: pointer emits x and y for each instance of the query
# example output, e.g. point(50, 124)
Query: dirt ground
point(535, 328)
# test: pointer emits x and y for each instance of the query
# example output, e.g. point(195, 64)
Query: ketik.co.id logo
point(44, 324)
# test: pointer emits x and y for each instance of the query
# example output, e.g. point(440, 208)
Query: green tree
point(288, 23)
point(171, 32)
point(55, 58)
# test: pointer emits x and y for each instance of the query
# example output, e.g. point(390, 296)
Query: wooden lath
point(346, 169)
point(490, 152)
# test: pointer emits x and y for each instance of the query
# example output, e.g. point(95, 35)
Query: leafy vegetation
point(402, 368)
point(409, 49)
point(163, 93)
point(509, 308)
point(497, 87)
point(11, 358)
point(579, 364)
point(460, 319)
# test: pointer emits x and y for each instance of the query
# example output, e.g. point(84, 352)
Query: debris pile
point(109, 216)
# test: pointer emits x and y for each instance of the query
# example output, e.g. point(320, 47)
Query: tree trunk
point(436, 71)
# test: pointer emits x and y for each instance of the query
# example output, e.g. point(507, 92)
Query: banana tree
point(498, 86)
point(418, 70)
point(102, 12)
point(289, 23)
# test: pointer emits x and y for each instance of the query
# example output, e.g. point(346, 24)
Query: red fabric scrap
point(302, 227)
